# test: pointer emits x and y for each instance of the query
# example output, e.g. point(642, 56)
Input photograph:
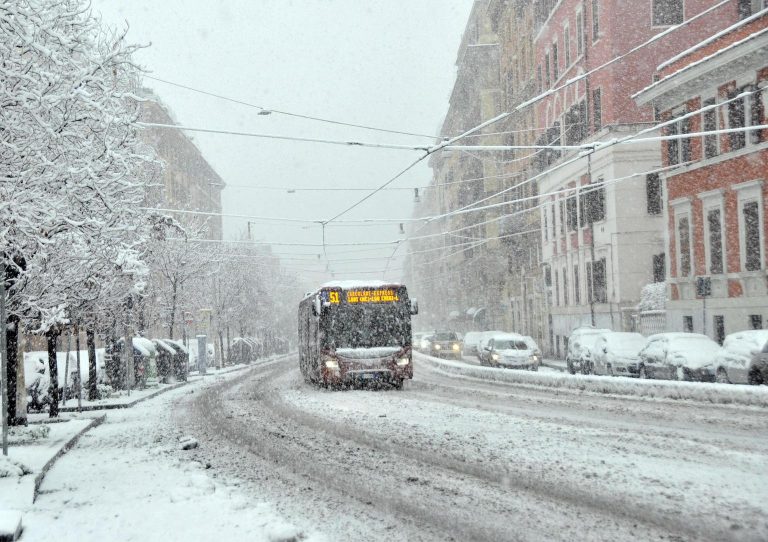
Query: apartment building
point(716, 198)
point(602, 223)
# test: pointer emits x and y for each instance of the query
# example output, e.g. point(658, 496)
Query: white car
point(616, 353)
point(513, 351)
point(471, 340)
point(678, 356)
point(485, 336)
point(580, 344)
point(738, 361)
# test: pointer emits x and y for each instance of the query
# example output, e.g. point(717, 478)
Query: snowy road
point(458, 458)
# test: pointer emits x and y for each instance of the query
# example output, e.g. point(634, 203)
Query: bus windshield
point(367, 326)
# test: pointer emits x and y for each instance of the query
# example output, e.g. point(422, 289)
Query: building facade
point(602, 227)
point(716, 198)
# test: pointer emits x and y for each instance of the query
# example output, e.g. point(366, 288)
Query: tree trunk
point(90, 340)
point(172, 316)
point(11, 362)
point(21, 388)
point(221, 348)
point(52, 336)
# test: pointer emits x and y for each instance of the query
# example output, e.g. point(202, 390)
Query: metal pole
point(66, 369)
point(590, 216)
point(79, 373)
point(3, 360)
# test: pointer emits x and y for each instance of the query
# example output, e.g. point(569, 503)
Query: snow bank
point(31, 359)
point(659, 389)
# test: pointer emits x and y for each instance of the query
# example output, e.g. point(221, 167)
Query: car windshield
point(509, 344)
point(445, 337)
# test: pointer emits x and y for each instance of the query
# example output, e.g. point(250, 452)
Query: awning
point(479, 314)
point(471, 312)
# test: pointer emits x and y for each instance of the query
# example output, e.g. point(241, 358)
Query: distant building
point(188, 180)
point(715, 205)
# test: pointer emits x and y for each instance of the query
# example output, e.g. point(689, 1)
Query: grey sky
point(387, 63)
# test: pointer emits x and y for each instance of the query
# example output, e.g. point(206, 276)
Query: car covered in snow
point(485, 336)
point(445, 344)
point(471, 340)
point(580, 343)
point(616, 353)
point(743, 358)
point(420, 340)
point(512, 351)
point(678, 356)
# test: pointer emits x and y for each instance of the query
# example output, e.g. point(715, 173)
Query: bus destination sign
point(386, 295)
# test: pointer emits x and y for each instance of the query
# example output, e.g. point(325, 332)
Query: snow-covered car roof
point(739, 347)
point(507, 337)
point(472, 337)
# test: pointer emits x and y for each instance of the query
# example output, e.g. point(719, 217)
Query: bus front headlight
point(331, 363)
point(455, 346)
point(403, 362)
point(437, 347)
point(495, 357)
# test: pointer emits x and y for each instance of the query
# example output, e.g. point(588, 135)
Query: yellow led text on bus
point(371, 296)
point(333, 297)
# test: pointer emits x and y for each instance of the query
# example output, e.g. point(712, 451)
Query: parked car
point(511, 350)
point(445, 344)
point(471, 340)
point(678, 356)
point(580, 345)
point(616, 353)
point(485, 336)
point(743, 358)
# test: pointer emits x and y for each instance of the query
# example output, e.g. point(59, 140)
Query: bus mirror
point(414, 306)
point(317, 306)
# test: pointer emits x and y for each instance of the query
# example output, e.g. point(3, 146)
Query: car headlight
point(495, 357)
point(403, 361)
point(455, 346)
point(534, 358)
point(437, 347)
point(331, 363)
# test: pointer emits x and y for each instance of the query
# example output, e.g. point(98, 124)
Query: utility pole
point(591, 217)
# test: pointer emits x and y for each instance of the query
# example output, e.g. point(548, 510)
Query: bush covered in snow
point(10, 468)
point(27, 435)
point(653, 297)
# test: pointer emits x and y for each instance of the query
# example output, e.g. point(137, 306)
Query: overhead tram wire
point(267, 111)
point(596, 146)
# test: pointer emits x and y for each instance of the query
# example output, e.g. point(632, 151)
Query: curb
point(112, 406)
point(64, 449)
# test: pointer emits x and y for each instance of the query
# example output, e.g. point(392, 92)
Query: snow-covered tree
point(72, 169)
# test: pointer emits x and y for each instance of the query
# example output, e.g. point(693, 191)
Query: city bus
point(353, 332)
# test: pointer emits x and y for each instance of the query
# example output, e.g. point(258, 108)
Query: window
point(547, 73)
point(709, 123)
point(576, 285)
point(579, 33)
point(555, 63)
point(597, 109)
point(659, 267)
point(590, 297)
point(679, 149)
point(688, 324)
point(554, 230)
point(715, 238)
point(547, 276)
point(684, 246)
point(595, 20)
point(719, 326)
point(757, 113)
point(546, 225)
point(565, 287)
point(653, 194)
point(756, 321)
point(576, 124)
point(736, 119)
point(667, 12)
point(747, 8)
point(562, 217)
point(572, 214)
point(592, 202)
point(599, 281)
point(752, 238)
point(567, 45)
point(557, 289)
point(538, 78)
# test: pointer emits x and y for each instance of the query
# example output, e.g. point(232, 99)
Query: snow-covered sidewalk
point(130, 479)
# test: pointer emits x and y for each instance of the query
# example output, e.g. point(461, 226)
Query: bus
point(353, 332)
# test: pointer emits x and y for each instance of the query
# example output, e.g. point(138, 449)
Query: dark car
point(445, 344)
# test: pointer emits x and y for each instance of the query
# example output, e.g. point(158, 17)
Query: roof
point(352, 284)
